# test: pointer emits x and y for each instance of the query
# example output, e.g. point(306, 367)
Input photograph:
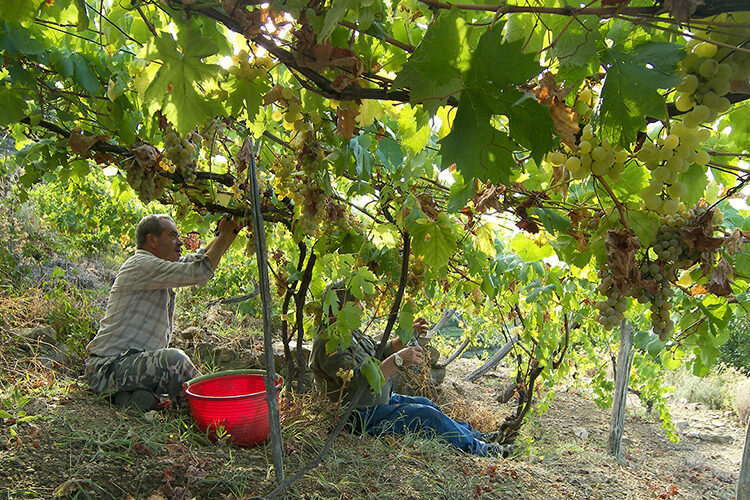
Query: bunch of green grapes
point(283, 169)
point(245, 68)
point(293, 117)
point(672, 254)
point(182, 152)
point(584, 104)
point(593, 157)
point(709, 68)
point(415, 282)
point(345, 375)
point(613, 307)
point(668, 157)
point(213, 130)
point(145, 182)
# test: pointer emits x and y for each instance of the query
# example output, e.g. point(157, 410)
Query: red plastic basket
point(232, 402)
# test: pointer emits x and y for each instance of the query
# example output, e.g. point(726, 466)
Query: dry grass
point(25, 309)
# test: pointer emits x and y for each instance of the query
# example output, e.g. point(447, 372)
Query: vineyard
point(571, 179)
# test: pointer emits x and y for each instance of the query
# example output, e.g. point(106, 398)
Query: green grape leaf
point(460, 193)
point(247, 95)
point(717, 310)
point(405, 330)
point(491, 66)
point(360, 147)
point(644, 225)
point(531, 125)
point(83, 18)
point(435, 240)
point(361, 283)
point(84, 74)
point(632, 181)
point(742, 264)
point(373, 375)
point(553, 222)
point(16, 39)
point(173, 88)
point(478, 149)
point(432, 72)
point(528, 250)
point(333, 16)
point(390, 154)
point(414, 135)
point(22, 11)
point(695, 180)
point(630, 90)
point(12, 106)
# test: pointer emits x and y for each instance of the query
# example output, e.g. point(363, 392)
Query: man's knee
point(172, 356)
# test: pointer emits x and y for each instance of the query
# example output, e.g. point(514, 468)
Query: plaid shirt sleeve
point(141, 302)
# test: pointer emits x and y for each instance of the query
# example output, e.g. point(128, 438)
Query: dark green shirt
point(324, 367)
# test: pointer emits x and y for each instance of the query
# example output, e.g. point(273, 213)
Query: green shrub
point(715, 390)
point(736, 351)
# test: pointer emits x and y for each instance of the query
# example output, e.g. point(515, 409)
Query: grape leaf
point(405, 329)
point(84, 74)
point(432, 72)
point(644, 225)
point(528, 250)
point(632, 181)
point(16, 39)
point(630, 91)
point(360, 283)
point(390, 154)
point(491, 68)
point(414, 135)
point(246, 95)
point(477, 148)
point(22, 11)
point(173, 88)
point(435, 240)
point(460, 193)
point(695, 180)
point(12, 106)
point(553, 222)
point(373, 375)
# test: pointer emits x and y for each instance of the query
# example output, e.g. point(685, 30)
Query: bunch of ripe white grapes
point(245, 68)
point(145, 182)
point(656, 275)
point(710, 66)
point(593, 157)
point(182, 152)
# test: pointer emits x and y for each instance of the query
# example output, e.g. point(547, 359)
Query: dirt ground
point(79, 446)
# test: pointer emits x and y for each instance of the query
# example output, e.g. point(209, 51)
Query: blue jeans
point(412, 414)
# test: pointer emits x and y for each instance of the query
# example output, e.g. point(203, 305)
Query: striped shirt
point(141, 302)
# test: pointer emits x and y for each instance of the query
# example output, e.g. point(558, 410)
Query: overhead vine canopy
point(613, 132)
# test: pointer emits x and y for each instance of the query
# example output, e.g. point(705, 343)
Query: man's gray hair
point(150, 224)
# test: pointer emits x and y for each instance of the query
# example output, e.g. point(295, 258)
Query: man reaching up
point(130, 358)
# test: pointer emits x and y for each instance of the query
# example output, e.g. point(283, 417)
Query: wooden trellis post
point(622, 376)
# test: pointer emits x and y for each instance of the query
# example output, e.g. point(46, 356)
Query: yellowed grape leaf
point(446, 115)
point(685, 280)
point(486, 239)
point(414, 138)
point(369, 111)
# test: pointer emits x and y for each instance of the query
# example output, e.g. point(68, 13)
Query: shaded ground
point(78, 446)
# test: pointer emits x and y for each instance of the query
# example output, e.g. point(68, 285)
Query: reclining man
point(130, 359)
point(387, 412)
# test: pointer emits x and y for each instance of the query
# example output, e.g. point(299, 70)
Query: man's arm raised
point(228, 230)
